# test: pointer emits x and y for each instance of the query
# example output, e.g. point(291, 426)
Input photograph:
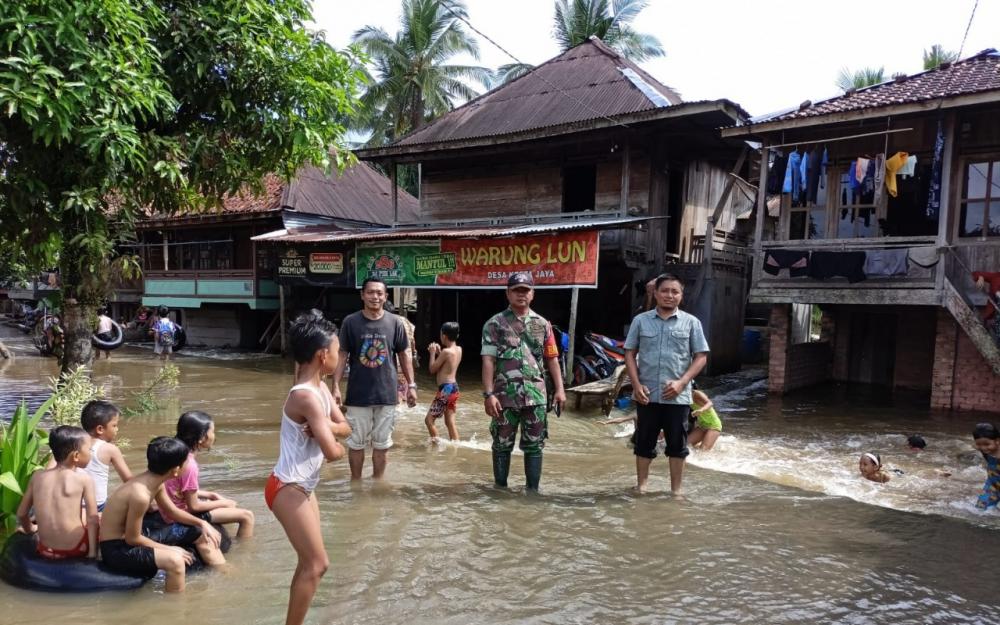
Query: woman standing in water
point(310, 423)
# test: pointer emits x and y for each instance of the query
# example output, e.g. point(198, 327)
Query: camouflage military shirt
point(519, 346)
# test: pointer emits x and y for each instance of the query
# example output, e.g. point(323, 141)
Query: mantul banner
point(555, 260)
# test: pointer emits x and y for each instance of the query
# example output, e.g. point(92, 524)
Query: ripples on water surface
point(779, 532)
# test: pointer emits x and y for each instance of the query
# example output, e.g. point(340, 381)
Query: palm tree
point(611, 22)
point(937, 55)
point(865, 77)
point(510, 71)
point(410, 79)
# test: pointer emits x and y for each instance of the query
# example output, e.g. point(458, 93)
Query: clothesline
point(867, 134)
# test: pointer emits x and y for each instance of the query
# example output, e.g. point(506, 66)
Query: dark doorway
point(675, 208)
point(579, 188)
point(872, 349)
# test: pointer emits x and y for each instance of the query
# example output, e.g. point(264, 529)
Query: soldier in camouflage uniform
point(517, 344)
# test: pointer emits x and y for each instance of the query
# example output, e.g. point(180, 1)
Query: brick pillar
point(780, 330)
point(945, 347)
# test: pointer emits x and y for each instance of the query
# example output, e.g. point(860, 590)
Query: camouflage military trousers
point(534, 429)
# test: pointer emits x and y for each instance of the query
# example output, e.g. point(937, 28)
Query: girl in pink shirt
point(196, 430)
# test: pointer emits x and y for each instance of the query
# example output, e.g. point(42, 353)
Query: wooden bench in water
point(607, 389)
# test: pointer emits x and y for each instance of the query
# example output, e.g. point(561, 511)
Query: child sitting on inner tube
point(56, 493)
point(197, 430)
point(127, 547)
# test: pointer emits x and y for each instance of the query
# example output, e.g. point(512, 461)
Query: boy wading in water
point(444, 361)
point(124, 548)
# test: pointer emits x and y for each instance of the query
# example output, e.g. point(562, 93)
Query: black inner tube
point(107, 345)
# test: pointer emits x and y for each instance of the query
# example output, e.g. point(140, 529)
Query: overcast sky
point(765, 55)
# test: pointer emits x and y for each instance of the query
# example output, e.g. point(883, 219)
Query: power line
point(967, 27)
point(459, 17)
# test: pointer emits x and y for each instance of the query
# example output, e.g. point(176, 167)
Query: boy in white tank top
point(100, 419)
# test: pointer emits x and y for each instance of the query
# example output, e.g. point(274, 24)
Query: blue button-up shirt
point(664, 350)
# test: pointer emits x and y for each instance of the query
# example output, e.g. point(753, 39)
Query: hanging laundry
point(908, 168)
point(852, 178)
point(796, 261)
point(862, 169)
point(851, 265)
point(793, 176)
point(892, 165)
point(776, 175)
point(886, 263)
point(868, 182)
point(822, 171)
point(803, 170)
point(813, 174)
point(934, 193)
point(925, 257)
point(879, 177)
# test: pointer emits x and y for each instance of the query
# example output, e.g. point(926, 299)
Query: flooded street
point(777, 527)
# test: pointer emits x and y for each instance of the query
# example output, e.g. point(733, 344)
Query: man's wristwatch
point(413, 386)
point(488, 394)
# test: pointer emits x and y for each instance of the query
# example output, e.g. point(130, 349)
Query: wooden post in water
point(573, 301)
point(281, 323)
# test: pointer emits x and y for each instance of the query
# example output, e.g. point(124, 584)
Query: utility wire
point(448, 7)
point(967, 27)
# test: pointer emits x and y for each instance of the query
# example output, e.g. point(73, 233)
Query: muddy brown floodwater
point(776, 526)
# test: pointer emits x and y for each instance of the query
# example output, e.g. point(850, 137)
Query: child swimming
point(310, 423)
point(197, 430)
point(987, 440)
point(871, 468)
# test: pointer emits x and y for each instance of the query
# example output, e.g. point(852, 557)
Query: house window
point(809, 222)
point(579, 190)
point(856, 215)
point(980, 214)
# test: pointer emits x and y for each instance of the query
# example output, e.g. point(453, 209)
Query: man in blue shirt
point(664, 350)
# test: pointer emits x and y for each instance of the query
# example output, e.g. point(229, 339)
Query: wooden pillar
point(281, 320)
point(626, 174)
point(945, 212)
point(574, 301)
point(758, 231)
point(395, 192)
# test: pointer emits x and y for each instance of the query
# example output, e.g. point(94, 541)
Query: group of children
point(152, 521)
point(985, 437)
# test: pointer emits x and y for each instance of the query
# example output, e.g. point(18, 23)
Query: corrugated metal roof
point(327, 234)
point(975, 74)
point(585, 82)
point(360, 192)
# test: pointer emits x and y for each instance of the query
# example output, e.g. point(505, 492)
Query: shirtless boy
point(444, 361)
point(124, 548)
point(56, 493)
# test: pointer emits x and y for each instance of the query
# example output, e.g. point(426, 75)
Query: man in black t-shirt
point(370, 339)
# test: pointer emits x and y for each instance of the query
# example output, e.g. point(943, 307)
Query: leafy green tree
point(411, 79)
point(861, 78)
point(611, 22)
point(936, 55)
point(109, 108)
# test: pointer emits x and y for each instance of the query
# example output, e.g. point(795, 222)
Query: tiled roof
point(975, 74)
point(589, 81)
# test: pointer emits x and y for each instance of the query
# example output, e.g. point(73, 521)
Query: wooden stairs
point(969, 320)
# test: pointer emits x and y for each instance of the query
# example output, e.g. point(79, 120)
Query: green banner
point(416, 264)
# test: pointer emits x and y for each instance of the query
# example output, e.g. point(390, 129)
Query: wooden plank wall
point(704, 183)
point(522, 189)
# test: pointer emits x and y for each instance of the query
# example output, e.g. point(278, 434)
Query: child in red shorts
point(444, 361)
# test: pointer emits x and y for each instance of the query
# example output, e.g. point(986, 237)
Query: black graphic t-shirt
point(372, 345)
